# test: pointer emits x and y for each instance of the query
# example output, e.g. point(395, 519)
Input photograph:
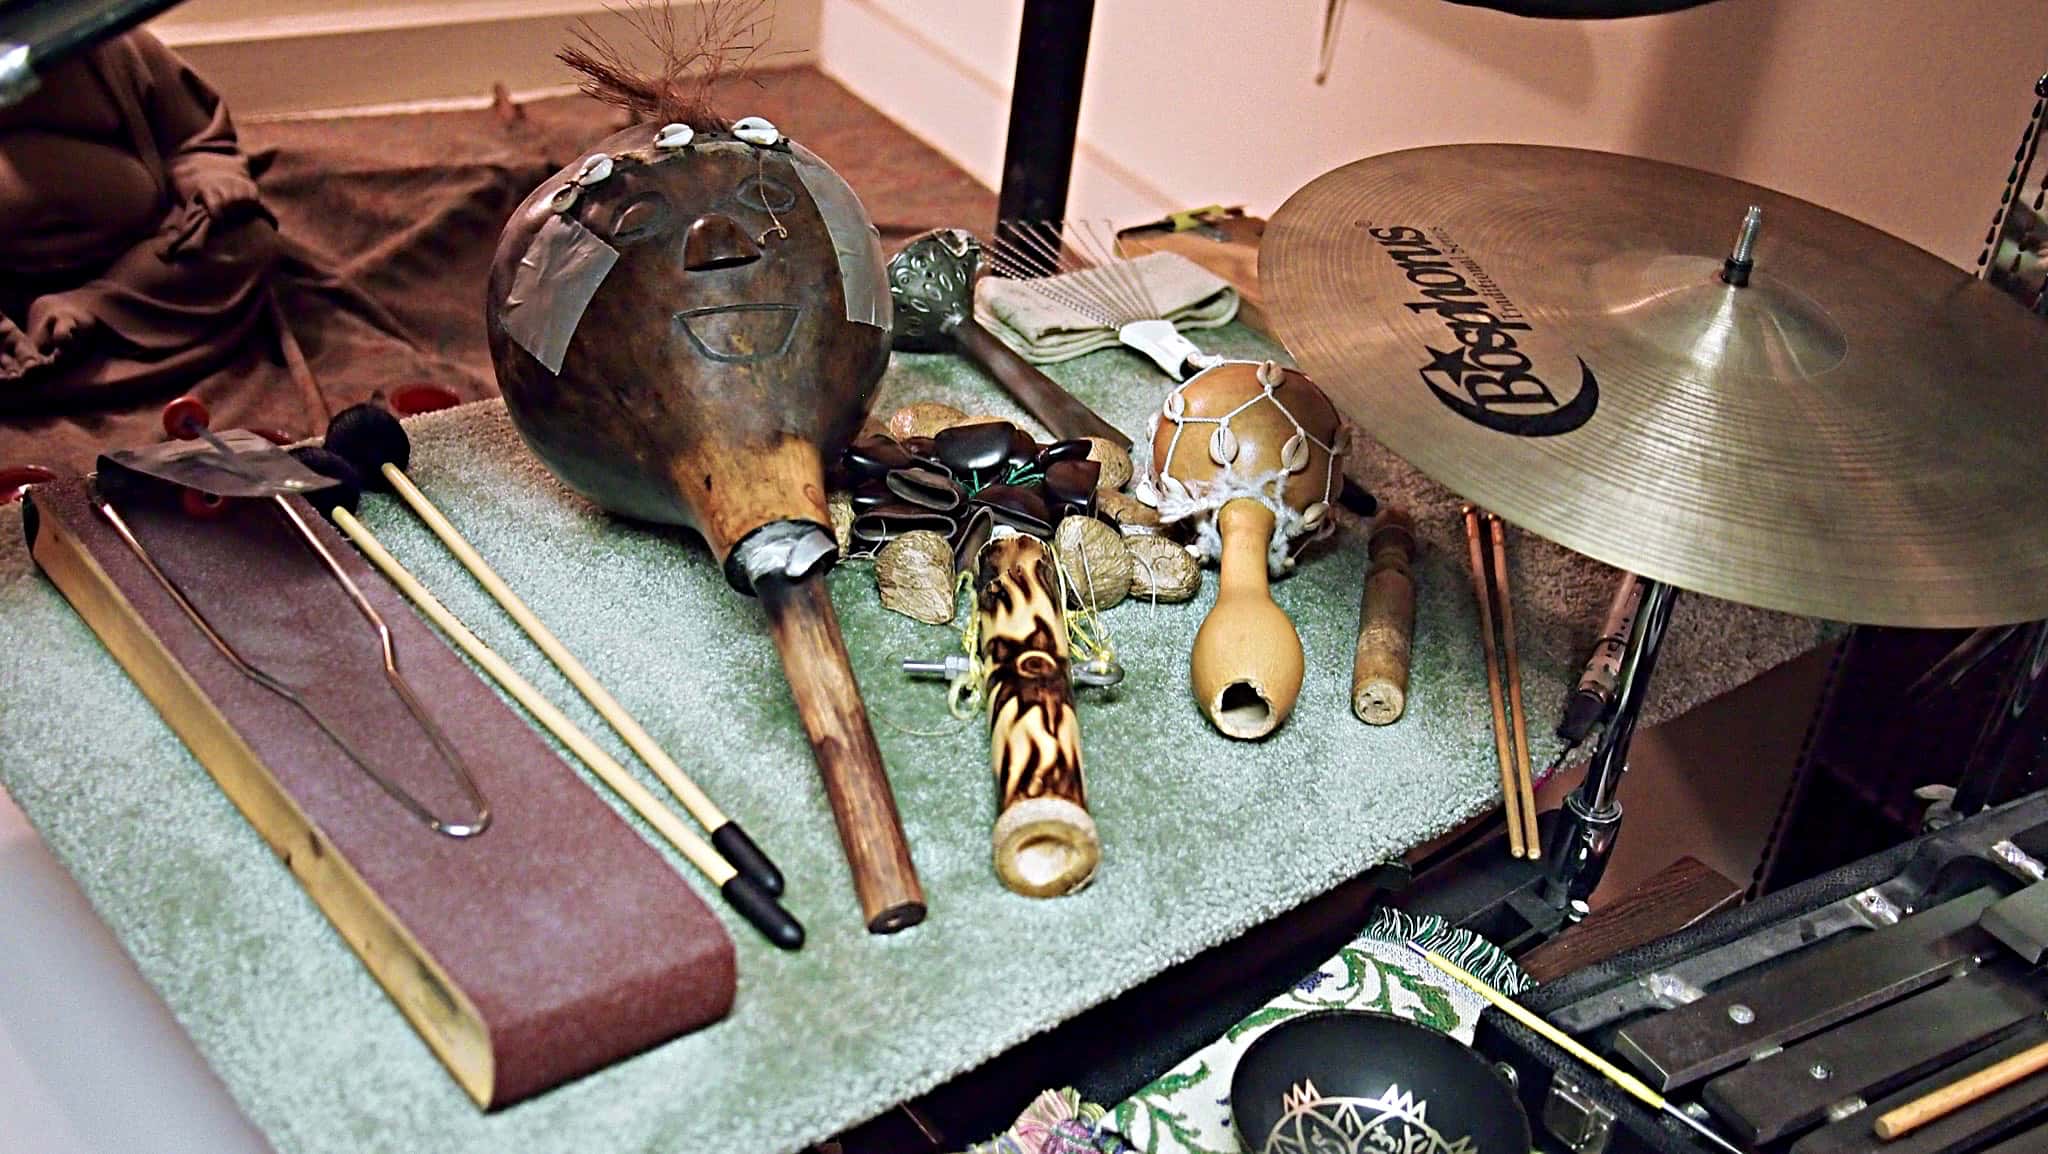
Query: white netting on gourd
point(1179, 499)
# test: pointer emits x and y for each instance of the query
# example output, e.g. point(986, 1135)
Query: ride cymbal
point(1859, 433)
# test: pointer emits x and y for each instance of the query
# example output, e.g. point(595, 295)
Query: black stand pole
point(1582, 838)
point(1045, 108)
point(2010, 743)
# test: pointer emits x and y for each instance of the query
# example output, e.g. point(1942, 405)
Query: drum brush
point(376, 445)
point(741, 891)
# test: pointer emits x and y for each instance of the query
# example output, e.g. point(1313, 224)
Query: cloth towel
point(1043, 318)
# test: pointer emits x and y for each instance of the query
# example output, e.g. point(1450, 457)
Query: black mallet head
point(347, 489)
point(368, 437)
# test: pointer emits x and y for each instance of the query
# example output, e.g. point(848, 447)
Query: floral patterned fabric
point(1187, 1109)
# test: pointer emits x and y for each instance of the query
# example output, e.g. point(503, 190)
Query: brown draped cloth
point(131, 213)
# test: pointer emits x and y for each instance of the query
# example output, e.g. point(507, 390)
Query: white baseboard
point(417, 56)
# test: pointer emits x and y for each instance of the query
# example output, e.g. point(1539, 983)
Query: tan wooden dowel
point(1525, 781)
point(1386, 621)
point(636, 738)
point(1959, 1093)
point(1510, 796)
point(641, 799)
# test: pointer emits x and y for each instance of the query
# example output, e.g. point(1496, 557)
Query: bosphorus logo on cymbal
point(1487, 375)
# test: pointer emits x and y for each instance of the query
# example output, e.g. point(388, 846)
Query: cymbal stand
point(1582, 838)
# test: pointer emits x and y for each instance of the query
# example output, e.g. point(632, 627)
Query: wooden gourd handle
point(806, 634)
point(1057, 409)
point(1386, 622)
point(1247, 663)
point(1045, 841)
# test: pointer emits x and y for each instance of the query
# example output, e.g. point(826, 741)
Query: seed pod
point(923, 419)
point(1130, 514)
point(1116, 463)
point(840, 505)
point(1096, 561)
point(914, 575)
point(1162, 570)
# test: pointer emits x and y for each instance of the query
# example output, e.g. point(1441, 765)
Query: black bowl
point(1352, 1081)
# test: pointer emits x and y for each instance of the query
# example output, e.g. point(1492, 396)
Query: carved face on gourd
point(683, 321)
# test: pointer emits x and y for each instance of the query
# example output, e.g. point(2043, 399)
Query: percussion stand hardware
point(1583, 837)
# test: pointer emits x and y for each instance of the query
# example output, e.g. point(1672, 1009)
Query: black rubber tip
point(369, 437)
point(767, 915)
point(347, 490)
point(746, 857)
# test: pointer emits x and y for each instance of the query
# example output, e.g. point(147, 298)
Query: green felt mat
point(1203, 837)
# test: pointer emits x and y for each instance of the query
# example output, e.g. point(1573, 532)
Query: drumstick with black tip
point(740, 891)
point(373, 441)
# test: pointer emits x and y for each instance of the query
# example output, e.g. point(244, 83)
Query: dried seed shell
point(923, 419)
point(1096, 561)
point(839, 505)
point(914, 575)
point(1162, 570)
point(1130, 514)
point(1115, 460)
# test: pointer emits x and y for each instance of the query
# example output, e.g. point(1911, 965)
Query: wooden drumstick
point(1510, 796)
point(1045, 841)
point(1386, 621)
point(1960, 1093)
point(1525, 782)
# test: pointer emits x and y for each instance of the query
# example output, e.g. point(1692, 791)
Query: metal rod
point(398, 793)
point(1045, 109)
point(1736, 269)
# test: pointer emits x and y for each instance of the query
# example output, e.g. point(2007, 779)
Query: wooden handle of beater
point(1959, 1093)
point(1246, 664)
point(806, 634)
point(1057, 409)
point(1386, 622)
point(1045, 841)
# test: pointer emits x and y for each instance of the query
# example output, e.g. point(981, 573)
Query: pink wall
point(1903, 113)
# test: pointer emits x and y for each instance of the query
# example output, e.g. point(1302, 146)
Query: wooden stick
point(642, 744)
point(1525, 781)
point(1510, 796)
point(1045, 841)
point(806, 633)
point(1959, 1093)
point(1386, 621)
point(1623, 1080)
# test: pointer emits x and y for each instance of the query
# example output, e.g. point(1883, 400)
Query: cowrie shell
point(756, 130)
point(1270, 374)
point(595, 169)
point(1294, 454)
point(1312, 517)
point(1223, 445)
point(1171, 486)
point(1176, 405)
point(564, 198)
point(674, 136)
